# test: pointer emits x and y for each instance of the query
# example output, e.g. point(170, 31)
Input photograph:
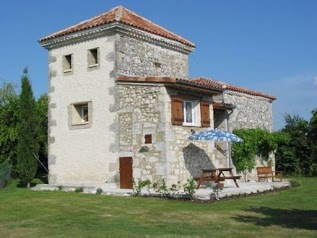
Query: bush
point(79, 190)
point(137, 186)
point(294, 183)
point(189, 188)
point(5, 173)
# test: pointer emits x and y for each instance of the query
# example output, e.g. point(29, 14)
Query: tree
point(27, 147)
point(42, 118)
point(293, 156)
point(312, 142)
point(8, 125)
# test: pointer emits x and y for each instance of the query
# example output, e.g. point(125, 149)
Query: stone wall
point(145, 109)
point(250, 112)
point(140, 113)
point(140, 58)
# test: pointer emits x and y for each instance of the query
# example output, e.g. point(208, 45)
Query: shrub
point(137, 186)
point(294, 183)
point(79, 190)
point(99, 191)
point(5, 173)
point(189, 188)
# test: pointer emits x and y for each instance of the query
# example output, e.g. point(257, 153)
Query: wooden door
point(126, 173)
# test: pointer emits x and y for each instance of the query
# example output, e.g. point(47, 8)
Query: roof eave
point(118, 27)
point(171, 82)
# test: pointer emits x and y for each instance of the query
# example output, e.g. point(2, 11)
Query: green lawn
point(289, 213)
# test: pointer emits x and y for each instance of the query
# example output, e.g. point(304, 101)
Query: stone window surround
point(73, 113)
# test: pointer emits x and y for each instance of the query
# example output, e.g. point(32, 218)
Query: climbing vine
point(257, 142)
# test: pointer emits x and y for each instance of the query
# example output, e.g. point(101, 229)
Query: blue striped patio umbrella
point(215, 135)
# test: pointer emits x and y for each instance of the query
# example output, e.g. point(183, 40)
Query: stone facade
point(145, 109)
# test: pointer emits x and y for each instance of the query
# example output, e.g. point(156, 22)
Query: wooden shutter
point(177, 111)
point(205, 115)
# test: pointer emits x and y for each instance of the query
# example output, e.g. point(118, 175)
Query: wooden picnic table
point(217, 175)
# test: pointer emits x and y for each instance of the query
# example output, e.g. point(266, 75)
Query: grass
point(289, 213)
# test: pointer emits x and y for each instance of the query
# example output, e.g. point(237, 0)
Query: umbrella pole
point(229, 157)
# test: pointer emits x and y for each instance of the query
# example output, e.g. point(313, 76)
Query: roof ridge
point(156, 25)
point(118, 13)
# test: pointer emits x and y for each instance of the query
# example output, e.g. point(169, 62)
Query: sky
point(268, 46)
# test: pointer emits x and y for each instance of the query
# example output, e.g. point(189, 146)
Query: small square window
point(93, 57)
point(80, 115)
point(148, 139)
point(67, 63)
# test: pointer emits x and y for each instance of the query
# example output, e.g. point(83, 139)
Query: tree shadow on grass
point(301, 219)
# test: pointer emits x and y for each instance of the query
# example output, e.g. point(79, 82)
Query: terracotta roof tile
point(169, 80)
point(204, 83)
point(227, 86)
point(223, 106)
point(124, 16)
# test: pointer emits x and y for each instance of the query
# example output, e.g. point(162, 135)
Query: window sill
point(93, 66)
point(80, 123)
point(191, 125)
point(83, 125)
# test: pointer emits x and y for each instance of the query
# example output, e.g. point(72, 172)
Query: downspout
point(228, 154)
point(229, 160)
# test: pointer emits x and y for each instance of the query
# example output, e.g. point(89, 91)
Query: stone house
point(121, 104)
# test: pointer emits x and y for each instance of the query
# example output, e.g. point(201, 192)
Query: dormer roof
point(124, 16)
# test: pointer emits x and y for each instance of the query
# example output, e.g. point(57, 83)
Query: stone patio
point(203, 193)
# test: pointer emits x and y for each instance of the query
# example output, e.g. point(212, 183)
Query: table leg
point(234, 180)
point(199, 183)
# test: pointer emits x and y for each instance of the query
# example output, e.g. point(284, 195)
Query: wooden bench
point(266, 172)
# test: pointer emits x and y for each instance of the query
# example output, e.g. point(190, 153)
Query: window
point(80, 115)
point(67, 63)
point(190, 112)
point(84, 113)
point(93, 57)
